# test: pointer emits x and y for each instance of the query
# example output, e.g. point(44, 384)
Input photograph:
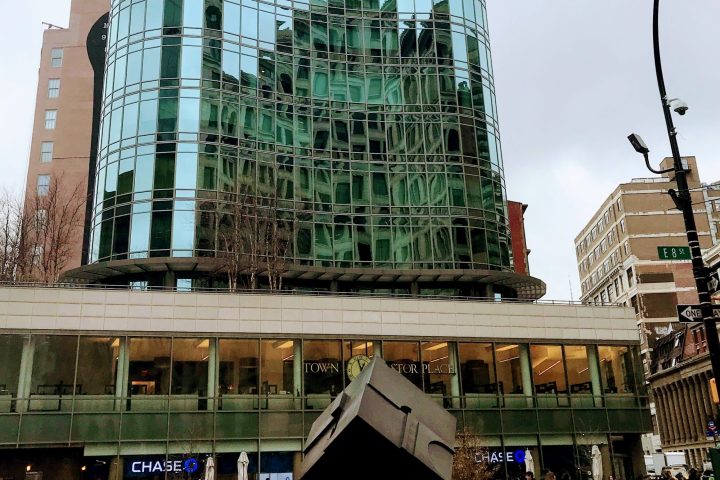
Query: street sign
point(674, 253)
point(691, 313)
point(713, 282)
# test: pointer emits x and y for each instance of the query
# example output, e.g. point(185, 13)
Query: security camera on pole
point(683, 202)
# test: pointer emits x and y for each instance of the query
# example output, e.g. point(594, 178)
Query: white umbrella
point(242, 465)
point(209, 469)
point(529, 462)
point(596, 463)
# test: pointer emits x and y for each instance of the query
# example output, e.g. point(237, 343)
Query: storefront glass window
point(477, 368)
point(616, 369)
point(149, 367)
point(548, 369)
point(509, 371)
point(437, 368)
point(97, 365)
point(578, 369)
point(405, 358)
point(239, 372)
point(190, 366)
point(53, 371)
point(10, 353)
point(356, 355)
point(322, 365)
point(277, 367)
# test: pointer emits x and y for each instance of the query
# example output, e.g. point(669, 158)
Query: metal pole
point(683, 201)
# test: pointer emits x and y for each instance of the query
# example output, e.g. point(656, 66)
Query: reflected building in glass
point(367, 131)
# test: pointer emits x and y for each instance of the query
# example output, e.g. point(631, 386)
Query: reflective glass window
point(11, 347)
point(548, 368)
point(509, 368)
point(190, 366)
point(438, 368)
point(616, 369)
point(239, 367)
point(356, 353)
point(53, 368)
point(322, 364)
point(149, 366)
point(405, 358)
point(97, 365)
point(578, 369)
point(477, 368)
point(277, 359)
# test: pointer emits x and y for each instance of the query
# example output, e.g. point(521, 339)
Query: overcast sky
point(573, 79)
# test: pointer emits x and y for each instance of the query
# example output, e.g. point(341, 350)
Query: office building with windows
point(112, 380)
point(342, 160)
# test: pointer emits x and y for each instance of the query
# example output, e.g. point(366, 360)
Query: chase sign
point(140, 467)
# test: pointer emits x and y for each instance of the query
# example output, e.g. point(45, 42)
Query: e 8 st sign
point(674, 253)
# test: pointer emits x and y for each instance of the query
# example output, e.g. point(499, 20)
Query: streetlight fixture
point(683, 200)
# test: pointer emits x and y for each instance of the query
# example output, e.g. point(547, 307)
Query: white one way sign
point(692, 313)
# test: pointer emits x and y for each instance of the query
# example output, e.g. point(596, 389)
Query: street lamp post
point(683, 202)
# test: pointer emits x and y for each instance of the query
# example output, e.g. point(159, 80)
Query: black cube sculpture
point(380, 427)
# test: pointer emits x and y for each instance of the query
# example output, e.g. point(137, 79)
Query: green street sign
point(674, 253)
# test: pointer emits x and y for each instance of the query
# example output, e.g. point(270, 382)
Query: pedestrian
point(549, 475)
point(694, 475)
point(529, 476)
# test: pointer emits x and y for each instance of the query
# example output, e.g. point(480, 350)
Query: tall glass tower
point(370, 125)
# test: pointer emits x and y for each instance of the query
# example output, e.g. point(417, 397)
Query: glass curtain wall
point(365, 132)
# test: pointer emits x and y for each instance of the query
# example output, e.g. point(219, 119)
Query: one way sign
point(691, 313)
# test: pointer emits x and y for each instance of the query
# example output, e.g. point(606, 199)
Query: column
point(213, 362)
point(26, 366)
point(700, 402)
point(674, 415)
point(692, 410)
point(707, 401)
point(121, 375)
point(684, 420)
point(454, 377)
point(526, 371)
point(594, 366)
point(661, 414)
point(297, 368)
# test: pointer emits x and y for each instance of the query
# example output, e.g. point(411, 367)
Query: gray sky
point(573, 79)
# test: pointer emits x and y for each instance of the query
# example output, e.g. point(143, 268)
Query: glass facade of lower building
point(127, 398)
point(366, 130)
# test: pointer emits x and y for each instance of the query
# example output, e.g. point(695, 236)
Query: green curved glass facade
point(371, 123)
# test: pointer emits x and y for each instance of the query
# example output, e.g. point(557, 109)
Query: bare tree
point(37, 238)
point(253, 240)
point(57, 225)
point(12, 228)
point(468, 461)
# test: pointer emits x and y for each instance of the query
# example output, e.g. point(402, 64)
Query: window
point(149, 368)
point(96, 368)
point(548, 369)
point(11, 347)
point(239, 367)
point(578, 369)
point(50, 118)
point(509, 370)
point(322, 367)
point(616, 369)
point(43, 185)
point(277, 363)
point(630, 277)
point(477, 368)
point(46, 152)
point(190, 366)
point(405, 358)
point(56, 57)
point(54, 88)
point(53, 368)
point(627, 248)
point(622, 225)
